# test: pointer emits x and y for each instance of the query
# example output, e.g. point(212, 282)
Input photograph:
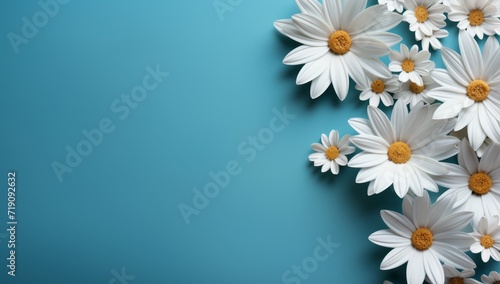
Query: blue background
point(119, 207)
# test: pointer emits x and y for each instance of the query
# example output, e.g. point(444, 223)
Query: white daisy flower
point(377, 89)
point(332, 152)
point(392, 5)
point(424, 16)
point(403, 151)
point(478, 17)
point(339, 39)
point(453, 276)
point(411, 63)
point(412, 93)
point(487, 239)
point(470, 89)
point(475, 184)
point(433, 40)
point(493, 278)
point(425, 236)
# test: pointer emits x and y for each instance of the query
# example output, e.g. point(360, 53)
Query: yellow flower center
point(478, 90)
point(421, 13)
point(332, 153)
point(487, 241)
point(416, 89)
point(399, 152)
point(480, 183)
point(456, 280)
point(340, 42)
point(408, 65)
point(378, 86)
point(421, 239)
point(476, 17)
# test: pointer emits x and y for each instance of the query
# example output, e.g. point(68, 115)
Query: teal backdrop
point(117, 116)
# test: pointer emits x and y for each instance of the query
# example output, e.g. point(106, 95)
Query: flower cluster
point(437, 113)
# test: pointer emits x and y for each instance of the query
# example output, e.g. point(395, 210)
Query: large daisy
point(331, 153)
point(475, 184)
point(487, 239)
point(404, 151)
point(424, 236)
point(478, 17)
point(470, 89)
point(411, 63)
point(424, 16)
point(339, 39)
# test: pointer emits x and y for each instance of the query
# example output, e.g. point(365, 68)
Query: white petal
point(312, 26)
point(452, 222)
point(396, 257)
point(471, 55)
point(312, 70)
point(304, 54)
point(320, 84)
point(398, 223)
point(339, 76)
point(387, 238)
point(361, 125)
point(428, 165)
point(381, 125)
point(288, 28)
point(433, 268)
point(333, 11)
point(455, 66)
point(370, 143)
point(363, 160)
point(415, 271)
point(452, 256)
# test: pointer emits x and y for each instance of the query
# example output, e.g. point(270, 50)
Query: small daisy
point(430, 235)
point(411, 63)
point(377, 89)
point(433, 40)
point(412, 93)
point(453, 276)
point(487, 239)
point(494, 278)
point(393, 5)
point(404, 151)
point(332, 152)
point(340, 39)
point(470, 89)
point(475, 184)
point(424, 16)
point(478, 17)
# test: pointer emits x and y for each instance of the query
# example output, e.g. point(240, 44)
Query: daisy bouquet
point(434, 114)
